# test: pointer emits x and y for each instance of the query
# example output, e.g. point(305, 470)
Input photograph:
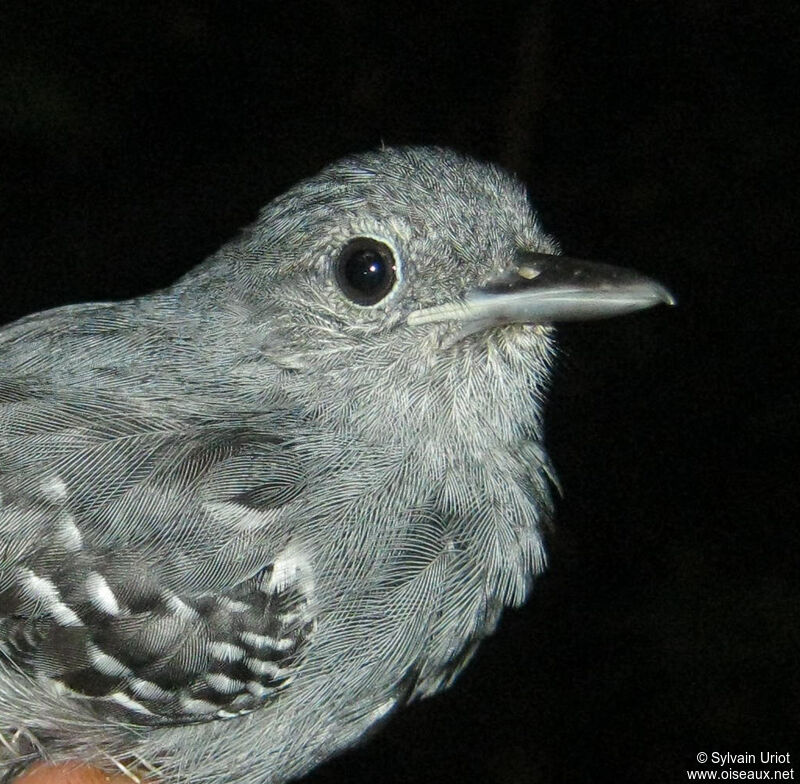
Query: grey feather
point(244, 518)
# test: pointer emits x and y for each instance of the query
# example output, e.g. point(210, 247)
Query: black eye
point(366, 271)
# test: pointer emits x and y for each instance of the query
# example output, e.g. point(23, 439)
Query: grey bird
point(245, 518)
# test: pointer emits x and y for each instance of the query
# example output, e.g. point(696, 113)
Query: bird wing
point(144, 561)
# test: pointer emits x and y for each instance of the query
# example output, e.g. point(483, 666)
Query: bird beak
point(541, 289)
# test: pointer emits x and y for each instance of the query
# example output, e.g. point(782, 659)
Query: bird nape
point(246, 517)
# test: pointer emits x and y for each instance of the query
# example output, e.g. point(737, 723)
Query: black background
point(137, 137)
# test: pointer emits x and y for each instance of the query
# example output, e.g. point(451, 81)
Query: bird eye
point(366, 271)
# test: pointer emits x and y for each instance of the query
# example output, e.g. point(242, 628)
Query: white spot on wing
point(148, 690)
point(100, 594)
point(225, 651)
point(107, 665)
point(44, 590)
point(233, 606)
point(223, 684)
point(180, 608)
point(265, 641)
point(258, 690)
point(291, 569)
point(265, 668)
point(237, 517)
point(197, 706)
point(54, 489)
point(69, 534)
point(130, 704)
